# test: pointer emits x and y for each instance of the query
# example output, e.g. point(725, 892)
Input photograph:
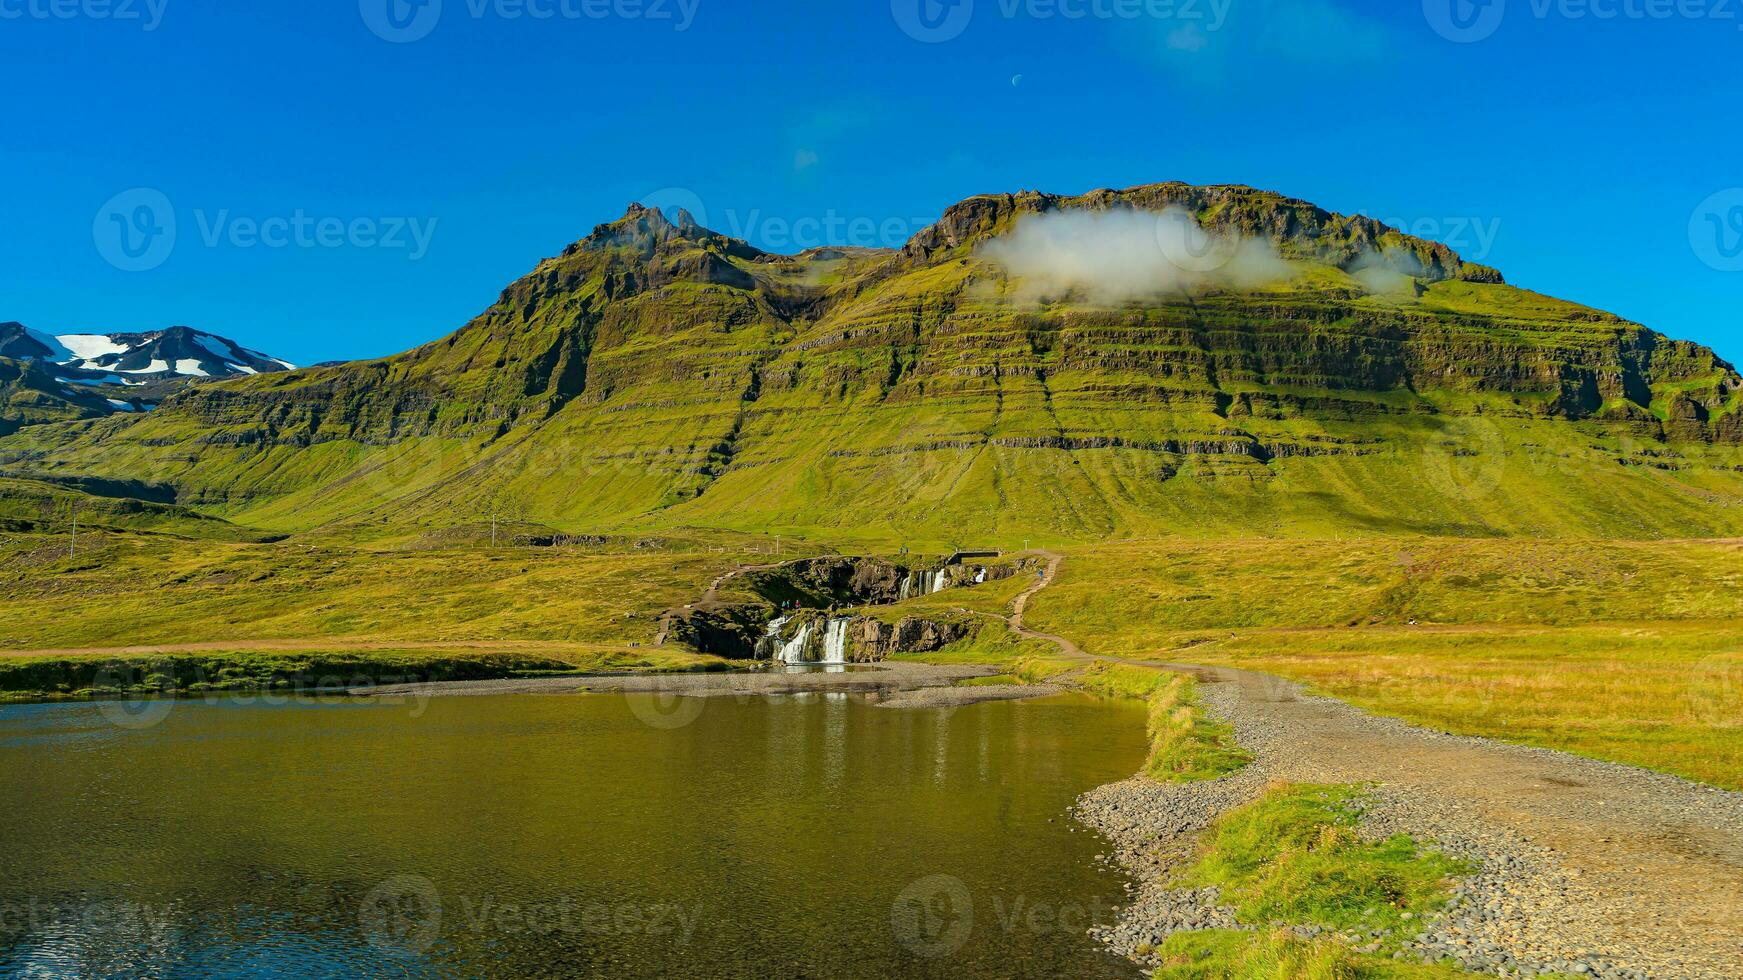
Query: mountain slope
point(30, 395)
point(659, 374)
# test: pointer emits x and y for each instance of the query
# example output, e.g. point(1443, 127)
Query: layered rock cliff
point(660, 374)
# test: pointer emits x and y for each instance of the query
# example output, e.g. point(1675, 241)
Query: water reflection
point(548, 836)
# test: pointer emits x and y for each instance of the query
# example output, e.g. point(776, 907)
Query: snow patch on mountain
point(88, 347)
point(58, 350)
point(158, 361)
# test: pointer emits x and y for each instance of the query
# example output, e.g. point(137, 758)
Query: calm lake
point(601, 835)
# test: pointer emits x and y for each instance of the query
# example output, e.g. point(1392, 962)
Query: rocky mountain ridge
point(128, 372)
point(657, 371)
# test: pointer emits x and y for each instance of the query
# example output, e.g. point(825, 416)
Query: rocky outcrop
point(724, 630)
point(871, 640)
point(836, 581)
point(1298, 228)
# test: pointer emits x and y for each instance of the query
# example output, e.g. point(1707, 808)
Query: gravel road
point(1587, 868)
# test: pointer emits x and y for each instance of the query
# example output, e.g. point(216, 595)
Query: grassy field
point(126, 589)
point(1631, 652)
point(37, 678)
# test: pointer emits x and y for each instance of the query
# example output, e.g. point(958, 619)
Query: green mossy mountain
point(30, 395)
point(658, 375)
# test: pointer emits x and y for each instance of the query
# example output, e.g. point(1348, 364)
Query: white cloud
point(1124, 255)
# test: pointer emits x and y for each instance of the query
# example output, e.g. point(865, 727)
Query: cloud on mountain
point(1125, 255)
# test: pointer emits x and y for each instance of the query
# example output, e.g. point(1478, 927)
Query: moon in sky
point(1016, 80)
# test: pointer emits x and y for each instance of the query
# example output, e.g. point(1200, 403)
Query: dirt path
point(1588, 867)
point(1021, 606)
point(713, 593)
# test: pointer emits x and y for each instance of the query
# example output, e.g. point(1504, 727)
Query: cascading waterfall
point(835, 641)
point(771, 638)
point(793, 651)
point(927, 582)
point(980, 577)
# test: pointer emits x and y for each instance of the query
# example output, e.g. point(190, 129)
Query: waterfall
point(770, 641)
point(980, 577)
point(916, 584)
point(835, 641)
point(793, 651)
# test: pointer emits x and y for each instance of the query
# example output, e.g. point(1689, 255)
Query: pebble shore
point(1524, 912)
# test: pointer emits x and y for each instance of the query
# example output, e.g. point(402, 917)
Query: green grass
point(1226, 954)
point(1112, 680)
point(1042, 668)
point(996, 680)
point(123, 589)
point(1186, 745)
point(48, 678)
point(1295, 857)
point(31, 506)
point(1626, 651)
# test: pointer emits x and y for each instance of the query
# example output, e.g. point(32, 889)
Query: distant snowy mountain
point(132, 359)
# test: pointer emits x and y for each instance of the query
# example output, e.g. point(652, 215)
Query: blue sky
point(1589, 148)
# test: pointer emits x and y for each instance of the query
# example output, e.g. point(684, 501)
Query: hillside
point(31, 395)
point(1346, 379)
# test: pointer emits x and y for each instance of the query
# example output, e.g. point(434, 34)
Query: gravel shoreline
point(895, 684)
point(1542, 900)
